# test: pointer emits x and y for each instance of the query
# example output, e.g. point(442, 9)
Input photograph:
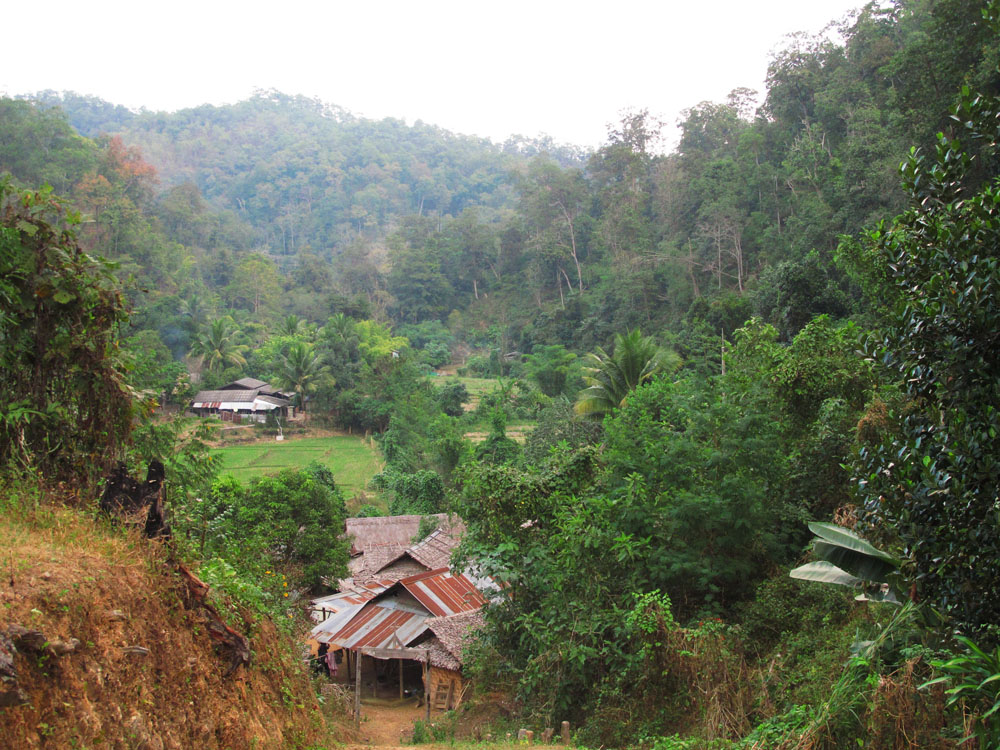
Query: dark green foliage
point(294, 518)
point(154, 370)
point(181, 444)
point(497, 448)
point(782, 607)
point(933, 485)
point(798, 291)
point(432, 339)
point(557, 424)
point(417, 493)
point(549, 366)
point(973, 680)
point(452, 396)
point(38, 146)
point(66, 409)
point(700, 476)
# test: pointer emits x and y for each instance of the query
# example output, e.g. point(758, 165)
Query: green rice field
point(352, 459)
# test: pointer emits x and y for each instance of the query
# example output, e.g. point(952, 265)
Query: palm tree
point(292, 325)
point(302, 370)
point(612, 377)
point(217, 346)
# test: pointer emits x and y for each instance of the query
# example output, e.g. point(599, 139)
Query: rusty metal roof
point(390, 616)
point(376, 625)
point(443, 593)
point(325, 608)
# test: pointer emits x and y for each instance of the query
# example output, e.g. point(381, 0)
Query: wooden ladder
point(442, 695)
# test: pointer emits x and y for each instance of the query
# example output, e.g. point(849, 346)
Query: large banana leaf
point(825, 572)
point(863, 565)
point(846, 538)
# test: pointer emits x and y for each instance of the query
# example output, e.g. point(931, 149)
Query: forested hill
point(548, 247)
point(307, 174)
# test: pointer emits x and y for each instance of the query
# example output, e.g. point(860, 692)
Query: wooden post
point(401, 679)
point(357, 692)
point(565, 732)
point(427, 681)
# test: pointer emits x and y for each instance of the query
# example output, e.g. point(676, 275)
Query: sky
point(565, 69)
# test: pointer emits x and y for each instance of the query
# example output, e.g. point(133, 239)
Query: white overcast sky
point(486, 68)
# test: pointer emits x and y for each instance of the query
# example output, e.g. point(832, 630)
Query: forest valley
point(771, 350)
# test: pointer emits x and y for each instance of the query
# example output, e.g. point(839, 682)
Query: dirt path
point(388, 725)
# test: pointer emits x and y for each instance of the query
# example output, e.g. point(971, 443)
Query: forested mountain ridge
point(308, 174)
point(743, 218)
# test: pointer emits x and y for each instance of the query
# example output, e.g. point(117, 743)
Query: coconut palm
point(217, 346)
point(612, 377)
point(292, 325)
point(302, 371)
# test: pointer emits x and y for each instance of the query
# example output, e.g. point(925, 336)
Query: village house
point(402, 596)
point(245, 399)
point(430, 611)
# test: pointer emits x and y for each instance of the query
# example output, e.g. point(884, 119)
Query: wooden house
point(243, 399)
point(419, 609)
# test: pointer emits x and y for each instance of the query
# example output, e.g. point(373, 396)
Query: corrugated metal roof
point(337, 610)
point(325, 630)
point(326, 607)
point(444, 593)
point(245, 390)
point(375, 626)
point(273, 400)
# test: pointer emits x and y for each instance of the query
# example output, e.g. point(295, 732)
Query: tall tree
point(553, 200)
point(934, 482)
point(302, 370)
point(217, 346)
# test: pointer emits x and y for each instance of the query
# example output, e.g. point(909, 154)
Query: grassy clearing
point(352, 459)
point(516, 432)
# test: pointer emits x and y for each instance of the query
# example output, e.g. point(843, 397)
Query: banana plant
point(848, 560)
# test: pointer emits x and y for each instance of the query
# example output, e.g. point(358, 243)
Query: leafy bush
point(420, 492)
point(451, 397)
point(973, 677)
point(65, 407)
point(289, 519)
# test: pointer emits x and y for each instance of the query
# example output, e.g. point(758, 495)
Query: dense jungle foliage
point(771, 325)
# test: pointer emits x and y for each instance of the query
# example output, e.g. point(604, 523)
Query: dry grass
point(71, 576)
